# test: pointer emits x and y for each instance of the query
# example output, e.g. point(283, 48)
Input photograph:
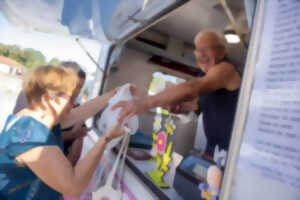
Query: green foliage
point(54, 61)
point(28, 57)
point(17, 55)
point(34, 58)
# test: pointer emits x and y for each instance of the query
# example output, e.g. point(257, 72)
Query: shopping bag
point(109, 117)
point(107, 191)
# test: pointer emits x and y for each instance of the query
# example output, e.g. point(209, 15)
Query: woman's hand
point(115, 131)
point(82, 132)
point(113, 92)
point(135, 91)
point(75, 151)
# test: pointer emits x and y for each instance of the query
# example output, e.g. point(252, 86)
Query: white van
point(149, 43)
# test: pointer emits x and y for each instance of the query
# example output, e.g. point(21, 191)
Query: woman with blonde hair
point(32, 163)
point(72, 125)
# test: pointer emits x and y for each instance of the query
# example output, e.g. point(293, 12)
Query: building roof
point(11, 62)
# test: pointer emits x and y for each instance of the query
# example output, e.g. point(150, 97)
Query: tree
point(54, 61)
point(5, 50)
point(18, 55)
point(34, 58)
point(28, 57)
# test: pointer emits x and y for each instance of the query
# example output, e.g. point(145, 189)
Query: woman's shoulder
point(22, 133)
point(21, 129)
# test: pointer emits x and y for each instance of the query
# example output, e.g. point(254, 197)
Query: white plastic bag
point(107, 191)
point(220, 156)
point(109, 117)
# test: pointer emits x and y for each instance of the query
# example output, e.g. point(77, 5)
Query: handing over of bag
point(109, 117)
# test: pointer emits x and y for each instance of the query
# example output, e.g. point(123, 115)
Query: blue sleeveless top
point(19, 135)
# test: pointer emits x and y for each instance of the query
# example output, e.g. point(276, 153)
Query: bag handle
point(115, 166)
point(123, 159)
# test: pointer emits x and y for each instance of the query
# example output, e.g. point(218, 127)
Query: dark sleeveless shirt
point(218, 109)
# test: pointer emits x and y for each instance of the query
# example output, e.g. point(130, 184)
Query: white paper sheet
point(270, 152)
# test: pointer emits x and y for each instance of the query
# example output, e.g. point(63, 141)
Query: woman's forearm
point(68, 135)
point(84, 170)
point(75, 151)
point(86, 110)
point(52, 167)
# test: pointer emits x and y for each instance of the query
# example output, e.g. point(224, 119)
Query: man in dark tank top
point(218, 108)
point(217, 91)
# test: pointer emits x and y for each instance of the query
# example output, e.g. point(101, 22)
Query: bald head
point(210, 48)
point(212, 37)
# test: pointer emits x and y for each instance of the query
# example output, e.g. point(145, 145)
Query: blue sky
point(59, 46)
point(3, 21)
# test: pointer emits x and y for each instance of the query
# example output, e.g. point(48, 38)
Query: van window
point(161, 81)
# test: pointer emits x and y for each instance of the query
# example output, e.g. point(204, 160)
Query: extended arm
point(53, 168)
point(218, 77)
point(77, 131)
point(87, 110)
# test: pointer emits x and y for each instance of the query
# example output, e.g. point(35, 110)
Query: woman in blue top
point(32, 163)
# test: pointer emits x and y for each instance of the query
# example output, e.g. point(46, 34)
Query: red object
point(170, 64)
point(138, 154)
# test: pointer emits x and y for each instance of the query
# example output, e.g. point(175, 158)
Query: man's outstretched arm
point(218, 77)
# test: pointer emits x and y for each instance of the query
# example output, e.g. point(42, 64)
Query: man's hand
point(131, 108)
point(184, 107)
point(174, 108)
point(136, 92)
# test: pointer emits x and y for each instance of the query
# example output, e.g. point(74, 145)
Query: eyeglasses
point(70, 98)
point(206, 49)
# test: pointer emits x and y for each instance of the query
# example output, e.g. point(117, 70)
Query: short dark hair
point(71, 64)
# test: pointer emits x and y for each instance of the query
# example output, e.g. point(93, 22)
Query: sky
point(91, 19)
point(51, 45)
